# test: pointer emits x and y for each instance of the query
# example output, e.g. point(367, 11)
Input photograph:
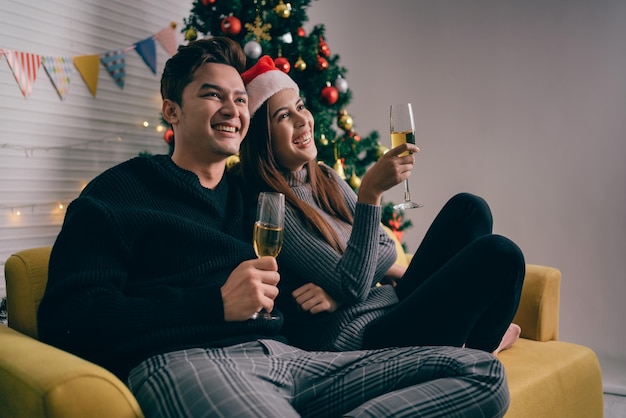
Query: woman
point(463, 284)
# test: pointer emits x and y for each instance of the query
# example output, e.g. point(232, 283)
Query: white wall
point(49, 149)
point(524, 103)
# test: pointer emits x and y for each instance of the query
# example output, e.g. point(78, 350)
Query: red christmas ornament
point(207, 2)
point(329, 95)
point(301, 33)
point(357, 138)
point(231, 25)
point(322, 64)
point(168, 136)
point(324, 49)
point(282, 64)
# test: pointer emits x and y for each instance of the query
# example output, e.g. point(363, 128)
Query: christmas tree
point(275, 28)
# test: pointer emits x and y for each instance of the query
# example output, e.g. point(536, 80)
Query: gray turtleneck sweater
point(349, 278)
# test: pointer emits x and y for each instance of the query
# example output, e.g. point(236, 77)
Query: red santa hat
point(263, 80)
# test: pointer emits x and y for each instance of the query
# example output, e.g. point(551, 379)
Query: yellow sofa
point(546, 377)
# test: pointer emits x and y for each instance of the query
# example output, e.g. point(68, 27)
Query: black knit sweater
point(137, 267)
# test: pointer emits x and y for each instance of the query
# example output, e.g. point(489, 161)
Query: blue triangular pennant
point(147, 50)
point(115, 63)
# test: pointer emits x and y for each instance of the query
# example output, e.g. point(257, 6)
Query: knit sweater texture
point(137, 267)
point(350, 278)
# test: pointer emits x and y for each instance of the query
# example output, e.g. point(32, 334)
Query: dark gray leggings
point(463, 285)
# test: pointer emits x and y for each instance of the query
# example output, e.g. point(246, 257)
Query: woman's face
point(291, 128)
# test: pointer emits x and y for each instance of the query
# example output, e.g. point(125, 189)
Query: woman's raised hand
point(390, 170)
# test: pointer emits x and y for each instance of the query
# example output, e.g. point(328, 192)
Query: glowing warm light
point(145, 124)
point(61, 206)
point(160, 128)
point(18, 213)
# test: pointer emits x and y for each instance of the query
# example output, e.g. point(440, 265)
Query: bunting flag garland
point(59, 69)
point(88, 67)
point(147, 51)
point(24, 66)
point(115, 64)
point(167, 39)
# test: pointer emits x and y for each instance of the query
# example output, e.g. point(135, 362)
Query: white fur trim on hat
point(265, 85)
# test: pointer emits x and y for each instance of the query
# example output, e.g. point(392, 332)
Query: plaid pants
point(267, 378)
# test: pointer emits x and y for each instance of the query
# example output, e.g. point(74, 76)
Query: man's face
point(214, 116)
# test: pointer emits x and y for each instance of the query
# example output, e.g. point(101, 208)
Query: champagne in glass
point(402, 128)
point(399, 138)
point(268, 231)
point(268, 239)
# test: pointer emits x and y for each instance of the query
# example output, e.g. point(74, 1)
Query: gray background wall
point(524, 103)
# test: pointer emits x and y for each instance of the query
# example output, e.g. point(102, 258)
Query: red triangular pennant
point(24, 66)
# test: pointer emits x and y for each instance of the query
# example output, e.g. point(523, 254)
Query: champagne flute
point(269, 231)
point(402, 130)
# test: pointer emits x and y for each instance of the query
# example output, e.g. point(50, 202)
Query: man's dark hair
point(179, 69)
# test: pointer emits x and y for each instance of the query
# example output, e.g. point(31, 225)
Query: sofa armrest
point(26, 274)
point(38, 380)
point(538, 313)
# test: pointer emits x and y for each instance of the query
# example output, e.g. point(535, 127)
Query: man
point(154, 277)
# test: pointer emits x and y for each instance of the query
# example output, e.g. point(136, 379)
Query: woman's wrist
point(368, 197)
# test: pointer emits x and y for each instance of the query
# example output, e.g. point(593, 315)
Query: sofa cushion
point(552, 379)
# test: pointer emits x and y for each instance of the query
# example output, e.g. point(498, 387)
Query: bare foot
point(510, 337)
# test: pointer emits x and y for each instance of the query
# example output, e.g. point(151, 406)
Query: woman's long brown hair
point(261, 172)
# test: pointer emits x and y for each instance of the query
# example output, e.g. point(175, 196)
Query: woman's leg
point(462, 220)
point(470, 300)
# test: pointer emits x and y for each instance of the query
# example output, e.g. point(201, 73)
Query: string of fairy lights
point(118, 136)
point(57, 206)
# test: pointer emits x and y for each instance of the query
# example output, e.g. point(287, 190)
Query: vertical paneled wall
point(50, 148)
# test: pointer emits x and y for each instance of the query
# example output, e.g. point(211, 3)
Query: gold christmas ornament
point(345, 121)
point(323, 140)
point(300, 64)
point(260, 30)
point(338, 167)
point(381, 150)
point(191, 34)
point(231, 161)
point(355, 181)
point(283, 10)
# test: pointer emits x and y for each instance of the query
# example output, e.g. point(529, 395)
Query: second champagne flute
point(269, 231)
point(402, 128)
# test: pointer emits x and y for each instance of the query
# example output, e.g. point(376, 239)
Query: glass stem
point(407, 193)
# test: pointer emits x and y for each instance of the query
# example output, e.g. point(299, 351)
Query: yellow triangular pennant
point(88, 67)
